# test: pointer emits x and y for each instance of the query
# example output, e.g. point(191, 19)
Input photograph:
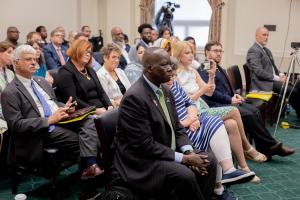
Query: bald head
point(117, 35)
point(12, 34)
point(157, 68)
point(262, 35)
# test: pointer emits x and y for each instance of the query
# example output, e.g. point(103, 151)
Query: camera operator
point(164, 17)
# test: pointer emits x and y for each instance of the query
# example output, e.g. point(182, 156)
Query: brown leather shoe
point(278, 149)
point(285, 151)
point(91, 172)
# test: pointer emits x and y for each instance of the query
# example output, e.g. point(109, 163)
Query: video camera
point(168, 8)
point(295, 45)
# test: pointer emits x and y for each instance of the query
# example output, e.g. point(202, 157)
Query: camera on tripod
point(295, 45)
point(169, 8)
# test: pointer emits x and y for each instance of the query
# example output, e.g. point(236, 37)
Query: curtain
point(147, 11)
point(215, 21)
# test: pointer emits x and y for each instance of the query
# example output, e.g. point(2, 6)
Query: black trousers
point(294, 98)
point(253, 125)
point(176, 181)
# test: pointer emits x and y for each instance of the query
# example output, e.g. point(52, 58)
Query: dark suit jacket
point(51, 57)
point(261, 68)
point(223, 92)
point(24, 120)
point(143, 137)
point(69, 84)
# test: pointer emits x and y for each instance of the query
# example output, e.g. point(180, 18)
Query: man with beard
point(145, 33)
point(117, 36)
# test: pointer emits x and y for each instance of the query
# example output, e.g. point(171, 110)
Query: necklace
point(84, 73)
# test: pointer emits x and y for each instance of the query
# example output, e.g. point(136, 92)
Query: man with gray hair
point(117, 36)
point(32, 114)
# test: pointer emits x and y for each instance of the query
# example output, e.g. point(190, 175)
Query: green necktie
point(166, 112)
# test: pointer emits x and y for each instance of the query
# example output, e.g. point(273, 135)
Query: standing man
point(224, 95)
point(117, 36)
point(86, 31)
point(264, 73)
point(153, 153)
point(13, 36)
point(43, 32)
point(145, 34)
point(54, 52)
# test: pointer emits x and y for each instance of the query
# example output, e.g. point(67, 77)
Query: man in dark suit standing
point(264, 73)
point(32, 113)
point(224, 95)
point(153, 153)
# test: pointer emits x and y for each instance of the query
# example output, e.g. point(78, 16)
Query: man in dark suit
point(32, 113)
point(264, 73)
point(54, 52)
point(153, 153)
point(224, 95)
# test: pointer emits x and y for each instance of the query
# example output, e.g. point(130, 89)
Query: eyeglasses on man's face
point(217, 50)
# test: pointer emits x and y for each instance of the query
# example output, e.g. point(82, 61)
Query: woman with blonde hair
point(195, 87)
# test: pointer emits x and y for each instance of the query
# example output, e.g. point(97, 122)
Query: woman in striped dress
point(208, 131)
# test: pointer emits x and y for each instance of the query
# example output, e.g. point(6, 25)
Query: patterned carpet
point(280, 178)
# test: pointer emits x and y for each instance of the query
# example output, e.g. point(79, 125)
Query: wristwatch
point(188, 152)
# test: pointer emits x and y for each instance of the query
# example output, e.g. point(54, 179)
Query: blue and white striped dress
point(209, 124)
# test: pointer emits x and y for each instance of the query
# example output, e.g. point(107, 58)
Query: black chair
point(272, 106)
point(52, 164)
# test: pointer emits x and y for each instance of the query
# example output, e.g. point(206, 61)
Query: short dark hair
point(143, 26)
point(210, 44)
point(189, 38)
point(162, 30)
point(39, 28)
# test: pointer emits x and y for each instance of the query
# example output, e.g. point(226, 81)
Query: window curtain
point(215, 21)
point(147, 10)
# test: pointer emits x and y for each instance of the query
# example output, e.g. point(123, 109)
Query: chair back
point(247, 77)
point(235, 78)
point(106, 126)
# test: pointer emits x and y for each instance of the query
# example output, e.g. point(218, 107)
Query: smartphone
point(206, 65)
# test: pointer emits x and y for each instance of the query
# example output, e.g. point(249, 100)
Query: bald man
point(264, 73)
point(153, 153)
point(117, 36)
point(13, 36)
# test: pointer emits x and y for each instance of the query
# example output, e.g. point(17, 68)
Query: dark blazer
point(51, 57)
point(69, 84)
point(143, 137)
point(223, 91)
point(24, 120)
point(261, 68)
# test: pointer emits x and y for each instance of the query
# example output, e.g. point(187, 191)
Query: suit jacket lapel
point(153, 98)
point(24, 91)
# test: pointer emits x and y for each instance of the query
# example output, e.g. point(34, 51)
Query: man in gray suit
point(264, 73)
point(32, 113)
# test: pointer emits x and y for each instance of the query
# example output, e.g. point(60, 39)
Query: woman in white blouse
point(113, 79)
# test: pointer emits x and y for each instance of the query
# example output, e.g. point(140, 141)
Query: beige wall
point(71, 14)
point(242, 17)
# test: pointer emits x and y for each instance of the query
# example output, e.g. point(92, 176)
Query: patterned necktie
point(167, 115)
point(60, 56)
point(45, 105)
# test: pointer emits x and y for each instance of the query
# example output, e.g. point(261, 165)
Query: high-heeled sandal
point(255, 179)
point(259, 158)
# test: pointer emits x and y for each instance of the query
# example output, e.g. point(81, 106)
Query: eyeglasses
point(28, 59)
point(88, 53)
point(217, 51)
